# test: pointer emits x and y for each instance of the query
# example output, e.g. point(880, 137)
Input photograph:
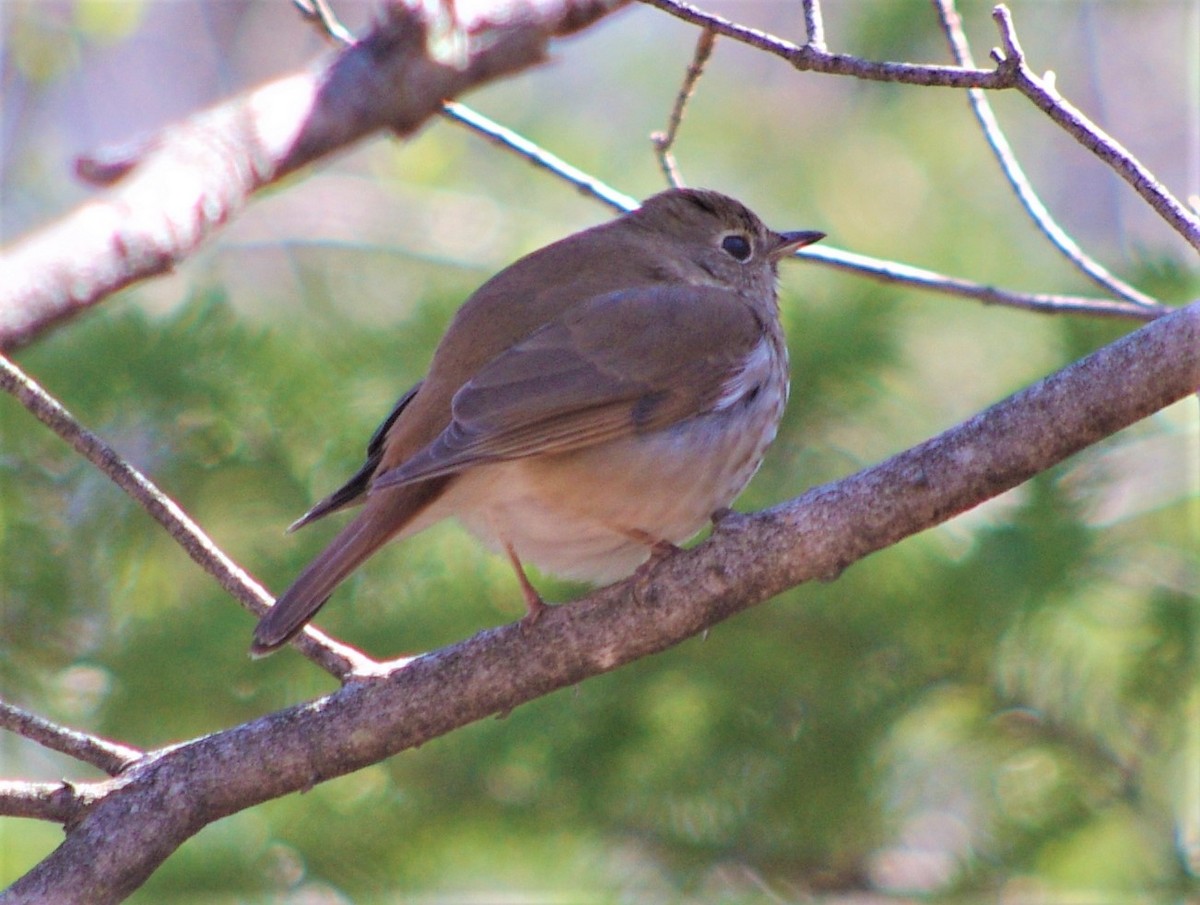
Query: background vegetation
point(1010, 703)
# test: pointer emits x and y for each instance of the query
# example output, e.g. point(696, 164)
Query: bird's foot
point(534, 607)
point(726, 519)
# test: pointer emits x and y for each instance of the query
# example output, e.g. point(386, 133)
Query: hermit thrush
point(590, 406)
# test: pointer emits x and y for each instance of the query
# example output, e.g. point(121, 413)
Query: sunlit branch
point(812, 58)
point(814, 24)
point(111, 757)
point(538, 156)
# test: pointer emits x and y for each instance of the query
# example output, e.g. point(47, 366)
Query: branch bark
point(177, 188)
point(813, 57)
point(109, 756)
point(143, 815)
point(61, 802)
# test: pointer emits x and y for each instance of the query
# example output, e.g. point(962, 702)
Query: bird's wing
point(616, 365)
point(355, 489)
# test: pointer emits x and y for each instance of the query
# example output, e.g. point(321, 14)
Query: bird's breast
point(587, 514)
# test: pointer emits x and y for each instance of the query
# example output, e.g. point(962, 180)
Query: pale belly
point(594, 514)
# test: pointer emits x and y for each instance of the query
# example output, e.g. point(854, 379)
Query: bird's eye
point(738, 247)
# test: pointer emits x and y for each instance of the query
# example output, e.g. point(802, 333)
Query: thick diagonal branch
point(162, 800)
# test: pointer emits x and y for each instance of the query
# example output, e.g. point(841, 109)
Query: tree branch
point(179, 186)
point(60, 802)
point(1043, 95)
point(319, 13)
point(1044, 303)
point(812, 57)
point(166, 798)
point(339, 660)
point(111, 757)
point(952, 27)
point(665, 140)
point(538, 156)
point(814, 23)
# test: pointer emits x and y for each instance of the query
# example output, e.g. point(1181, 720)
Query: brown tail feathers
point(370, 530)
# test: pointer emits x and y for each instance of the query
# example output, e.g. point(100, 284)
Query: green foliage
point(1004, 705)
point(800, 741)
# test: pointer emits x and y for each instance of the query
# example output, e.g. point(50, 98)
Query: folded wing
point(613, 366)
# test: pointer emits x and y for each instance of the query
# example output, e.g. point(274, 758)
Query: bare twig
point(111, 757)
point(1093, 269)
point(339, 660)
point(58, 802)
point(814, 24)
point(663, 141)
point(320, 13)
point(538, 156)
point(812, 58)
point(1045, 303)
point(862, 265)
point(1044, 96)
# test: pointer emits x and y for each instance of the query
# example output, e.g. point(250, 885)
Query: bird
point(589, 408)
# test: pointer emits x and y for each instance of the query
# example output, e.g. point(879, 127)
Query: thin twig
point(1044, 96)
point(663, 141)
point(812, 58)
point(863, 265)
point(320, 13)
point(1045, 303)
point(339, 660)
point(814, 25)
point(506, 138)
point(951, 23)
point(111, 757)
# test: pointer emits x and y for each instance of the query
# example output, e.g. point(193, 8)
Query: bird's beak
point(789, 242)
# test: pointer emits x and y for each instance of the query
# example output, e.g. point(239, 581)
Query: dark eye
point(737, 246)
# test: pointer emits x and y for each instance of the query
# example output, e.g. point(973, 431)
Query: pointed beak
point(789, 242)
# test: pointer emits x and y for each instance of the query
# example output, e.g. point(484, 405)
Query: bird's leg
point(659, 548)
point(534, 605)
point(720, 515)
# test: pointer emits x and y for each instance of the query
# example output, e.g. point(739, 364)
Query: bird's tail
point(374, 526)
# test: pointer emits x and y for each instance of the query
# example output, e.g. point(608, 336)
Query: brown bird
point(590, 406)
